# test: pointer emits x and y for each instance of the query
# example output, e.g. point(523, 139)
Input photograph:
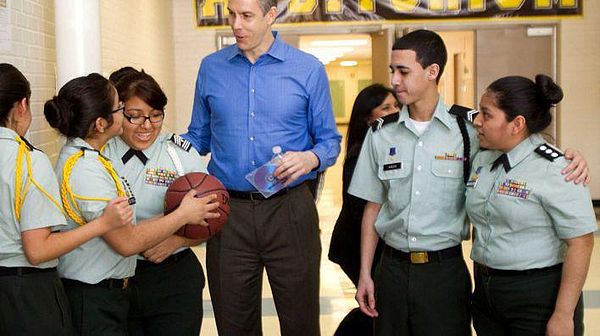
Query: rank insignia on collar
point(548, 152)
point(514, 188)
point(181, 142)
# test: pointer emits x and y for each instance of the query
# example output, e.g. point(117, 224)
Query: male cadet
point(412, 163)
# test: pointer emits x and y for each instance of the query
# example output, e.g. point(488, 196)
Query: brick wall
point(140, 34)
point(31, 48)
point(191, 45)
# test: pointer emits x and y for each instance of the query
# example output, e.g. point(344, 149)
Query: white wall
point(579, 76)
point(139, 33)
point(191, 45)
point(31, 48)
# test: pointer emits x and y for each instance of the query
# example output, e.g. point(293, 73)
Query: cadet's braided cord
point(67, 195)
point(20, 194)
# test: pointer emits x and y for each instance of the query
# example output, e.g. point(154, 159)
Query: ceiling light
point(339, 43)
point(348, 63)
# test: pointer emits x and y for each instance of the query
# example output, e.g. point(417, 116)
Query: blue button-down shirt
point(241, 110)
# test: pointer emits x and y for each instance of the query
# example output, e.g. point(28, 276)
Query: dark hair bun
point(58, 114)
point(548, 90)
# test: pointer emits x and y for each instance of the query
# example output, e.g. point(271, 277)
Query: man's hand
point(578, 168)
point(560, 325)
point(293, 165)
point(164, 249)
point(365, 296)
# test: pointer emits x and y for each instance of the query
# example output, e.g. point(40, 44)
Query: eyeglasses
point(121, 108)
point(140, 120)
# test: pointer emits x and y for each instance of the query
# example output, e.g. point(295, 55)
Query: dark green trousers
point(97, 310)
point(518, 305)
point(166, 298)
point(430, 299)
point(34, 304)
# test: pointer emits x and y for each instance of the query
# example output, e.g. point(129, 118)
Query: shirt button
point(252, 114)
point(420, 143)
point(413, 239)
point(419, 167)
point(253, 163)
point(251, 138)
point(252, 90)
point(417, 193)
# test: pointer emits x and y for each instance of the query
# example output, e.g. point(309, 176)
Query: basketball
point(205, 185)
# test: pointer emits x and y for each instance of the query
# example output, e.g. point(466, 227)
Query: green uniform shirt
point(521, 217)
point(95, 260)
point(149, 182)
point(418, 180)
point(37, 210)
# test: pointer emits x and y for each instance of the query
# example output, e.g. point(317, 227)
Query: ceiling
point(337, 48)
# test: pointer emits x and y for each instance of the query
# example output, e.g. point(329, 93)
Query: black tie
point(502, 159)
point(131, 152)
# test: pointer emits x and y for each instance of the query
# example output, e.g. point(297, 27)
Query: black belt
point(141, 264)
point(8, 271)
point(106, 283)
point(256, 196)
point(488, 271)
point(423, 257)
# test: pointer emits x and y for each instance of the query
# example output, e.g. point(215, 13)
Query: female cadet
point(373, 102)
point(31, 295)
point(166, 292)
point(533, 232)
point(95, 275)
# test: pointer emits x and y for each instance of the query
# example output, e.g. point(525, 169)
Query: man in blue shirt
point(250, 97)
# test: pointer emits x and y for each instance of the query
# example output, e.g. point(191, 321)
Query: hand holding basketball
point(207, 196)
point(198, 210)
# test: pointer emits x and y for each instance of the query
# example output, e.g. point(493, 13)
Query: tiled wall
point(31, 48)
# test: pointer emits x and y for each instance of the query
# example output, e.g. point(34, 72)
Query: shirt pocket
point(449, 176)
point(397, 182)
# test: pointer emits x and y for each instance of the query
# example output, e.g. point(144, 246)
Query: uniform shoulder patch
point(549, 152)
point(464, 112)
point(181, 142)
point(388, 119)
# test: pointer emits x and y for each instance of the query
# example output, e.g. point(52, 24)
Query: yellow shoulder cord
point(67, 195)
point(23, 151)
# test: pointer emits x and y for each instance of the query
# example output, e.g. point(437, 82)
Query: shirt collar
point(277, 49)
point(7, 133)
point(440, 113)
point(523, 149)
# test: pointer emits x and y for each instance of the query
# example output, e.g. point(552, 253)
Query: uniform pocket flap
point(447, 168)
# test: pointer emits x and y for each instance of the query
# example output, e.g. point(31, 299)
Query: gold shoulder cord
point(23, 151)
point(69, 198)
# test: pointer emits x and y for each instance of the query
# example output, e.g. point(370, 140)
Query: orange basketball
point(205, 185)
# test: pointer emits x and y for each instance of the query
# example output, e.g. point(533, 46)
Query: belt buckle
point(419, 257)
point(125, 283)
